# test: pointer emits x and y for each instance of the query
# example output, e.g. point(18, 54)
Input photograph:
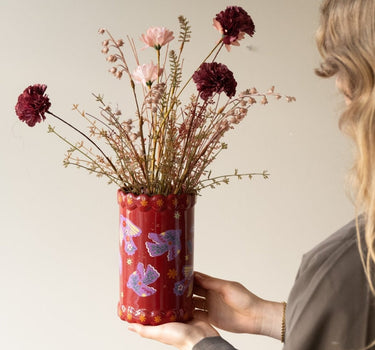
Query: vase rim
point(157, 202)
point(156, 194)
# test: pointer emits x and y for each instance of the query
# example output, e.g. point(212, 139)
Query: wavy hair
point(346, 42)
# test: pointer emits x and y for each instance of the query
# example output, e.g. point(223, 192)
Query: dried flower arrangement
point(169, 146)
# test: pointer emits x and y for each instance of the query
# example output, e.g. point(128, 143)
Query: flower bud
point(252, 100)
point(233, 119)
point(113, 70)
point(120, 42)
point(111, 58)
point(101, 31)
point(118, 74)
point(105, 50)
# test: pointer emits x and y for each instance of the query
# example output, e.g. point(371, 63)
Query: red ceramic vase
point(156, 258)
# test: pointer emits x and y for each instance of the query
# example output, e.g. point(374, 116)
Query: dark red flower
point(33, 104)
point(233, 23)
point(213, 78)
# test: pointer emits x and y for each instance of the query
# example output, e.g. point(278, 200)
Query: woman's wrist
point(197, 333)
point(272, 322)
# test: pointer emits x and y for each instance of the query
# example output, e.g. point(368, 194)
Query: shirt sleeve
point(213, 343)
point(330, 305)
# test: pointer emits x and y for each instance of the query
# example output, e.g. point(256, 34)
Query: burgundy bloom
point(233, 23)
point(213, 78)
point(33, 104)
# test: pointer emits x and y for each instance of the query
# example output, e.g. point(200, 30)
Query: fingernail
point(199, 275)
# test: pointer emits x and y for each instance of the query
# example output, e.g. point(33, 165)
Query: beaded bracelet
point(283, 327)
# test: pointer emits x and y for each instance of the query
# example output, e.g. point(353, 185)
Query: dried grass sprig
point(170, 144)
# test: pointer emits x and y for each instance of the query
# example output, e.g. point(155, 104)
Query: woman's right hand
point(231, 307)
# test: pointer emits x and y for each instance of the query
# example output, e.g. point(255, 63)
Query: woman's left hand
point(183, 336)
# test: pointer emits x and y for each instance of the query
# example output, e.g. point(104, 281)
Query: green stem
point(87, 138)
point(51, 129)
point(141, 121)
point(214, 180)
point(191, 77)
point(122, 132)
point(175, 99)
point(113, 179)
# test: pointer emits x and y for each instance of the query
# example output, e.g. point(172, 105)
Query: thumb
point(140, 329)
point(150, 332)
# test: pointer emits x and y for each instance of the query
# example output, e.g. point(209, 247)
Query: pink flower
point(32, 104)
point(147, 74)
point(233, 23)
point(157, 37)
point(213, 78)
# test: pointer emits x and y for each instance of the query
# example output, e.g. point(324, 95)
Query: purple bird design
point(140, 280)
point(168, 241)
point(186, 284)
point(129, 231)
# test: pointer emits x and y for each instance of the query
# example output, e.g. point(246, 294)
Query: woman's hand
point(223, 304)
point(231, 307)
point(183, 336)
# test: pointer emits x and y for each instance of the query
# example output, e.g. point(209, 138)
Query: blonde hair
point(346, 41)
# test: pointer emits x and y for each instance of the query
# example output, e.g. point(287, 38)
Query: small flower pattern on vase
point(129, 231)
point(179, 288)
point(140, 280)
point(168, 241)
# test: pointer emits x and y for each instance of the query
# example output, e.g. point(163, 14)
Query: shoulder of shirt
point(341, 246)
point(330, 291)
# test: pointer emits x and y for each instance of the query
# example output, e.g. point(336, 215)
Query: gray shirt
point(330, 306)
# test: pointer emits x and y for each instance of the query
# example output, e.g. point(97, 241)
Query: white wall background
point(58, 227)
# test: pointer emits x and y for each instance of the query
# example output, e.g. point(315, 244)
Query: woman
point(332, 303)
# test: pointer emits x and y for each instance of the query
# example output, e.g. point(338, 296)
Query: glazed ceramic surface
point(156, 258)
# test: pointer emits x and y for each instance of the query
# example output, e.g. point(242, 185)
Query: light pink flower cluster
point(157, 37)
point(146, 74)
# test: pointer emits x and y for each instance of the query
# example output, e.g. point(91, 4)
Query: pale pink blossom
point(157, 37)
point(147, 74)
point(120, 42)
point(118, 74)
point(111, 58)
